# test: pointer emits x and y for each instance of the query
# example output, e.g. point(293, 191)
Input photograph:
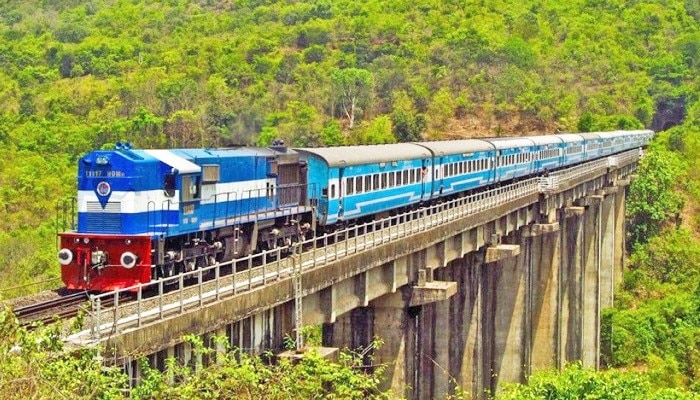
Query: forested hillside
point(77, 75)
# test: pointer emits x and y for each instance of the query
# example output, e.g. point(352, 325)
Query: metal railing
point(259, 269)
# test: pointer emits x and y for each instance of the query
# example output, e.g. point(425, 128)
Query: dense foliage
point(76, 75)
point(655, 324)
point(578, 383)
point(37, 365)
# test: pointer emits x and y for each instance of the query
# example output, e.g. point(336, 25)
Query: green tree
point(352, 89)
point(653, 201)
point(576, 382)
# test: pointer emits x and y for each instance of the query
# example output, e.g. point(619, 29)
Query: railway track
point(44, 312)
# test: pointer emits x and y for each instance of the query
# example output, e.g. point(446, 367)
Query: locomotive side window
point(169, 185)
point(211, 173)
point(190, 188)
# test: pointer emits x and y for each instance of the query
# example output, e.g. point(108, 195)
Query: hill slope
point(79, 75)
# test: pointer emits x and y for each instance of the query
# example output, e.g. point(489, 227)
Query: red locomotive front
point(104, 262)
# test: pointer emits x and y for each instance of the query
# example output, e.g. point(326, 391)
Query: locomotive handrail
point(273, 267)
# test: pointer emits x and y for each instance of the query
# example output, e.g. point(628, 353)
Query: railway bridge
point(472, 292)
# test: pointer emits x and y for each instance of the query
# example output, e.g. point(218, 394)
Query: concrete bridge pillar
point(619, 244)
point(414, 325)
point(506, 336)
point(466, 362)
point(571, 285)
point(608, 252)
point(543, 294)
point(590, 299)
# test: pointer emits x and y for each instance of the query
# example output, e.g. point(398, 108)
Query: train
point(145, 214)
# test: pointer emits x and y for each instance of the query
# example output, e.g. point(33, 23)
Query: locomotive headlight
point(86, 240)
point(65, 257)
point(128, 259)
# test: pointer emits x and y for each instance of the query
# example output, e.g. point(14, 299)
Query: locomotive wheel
point(170, 270)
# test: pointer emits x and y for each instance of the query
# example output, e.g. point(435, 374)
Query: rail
point(270, 266)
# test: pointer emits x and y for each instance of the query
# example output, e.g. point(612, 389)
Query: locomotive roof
point(228, 152)
point(358, 155)
point(445, 147)
point(174, 160)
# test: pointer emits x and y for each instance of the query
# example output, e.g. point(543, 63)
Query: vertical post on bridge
point(298, 316)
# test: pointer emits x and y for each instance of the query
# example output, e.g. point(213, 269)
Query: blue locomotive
point(145, 214)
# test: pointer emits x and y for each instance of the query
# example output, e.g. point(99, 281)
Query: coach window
point(391, 179)
point(350, 186)
point(368, 183)
point(358, 184)
point(333, 191)
point(375, 181)
point(384, 180)
point(169, 185)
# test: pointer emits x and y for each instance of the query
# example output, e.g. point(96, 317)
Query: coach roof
point(447, 147)
point(359, 155)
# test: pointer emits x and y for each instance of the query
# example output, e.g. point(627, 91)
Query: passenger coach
point(359, 181)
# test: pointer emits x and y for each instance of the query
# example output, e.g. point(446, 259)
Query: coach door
point(426, 181)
